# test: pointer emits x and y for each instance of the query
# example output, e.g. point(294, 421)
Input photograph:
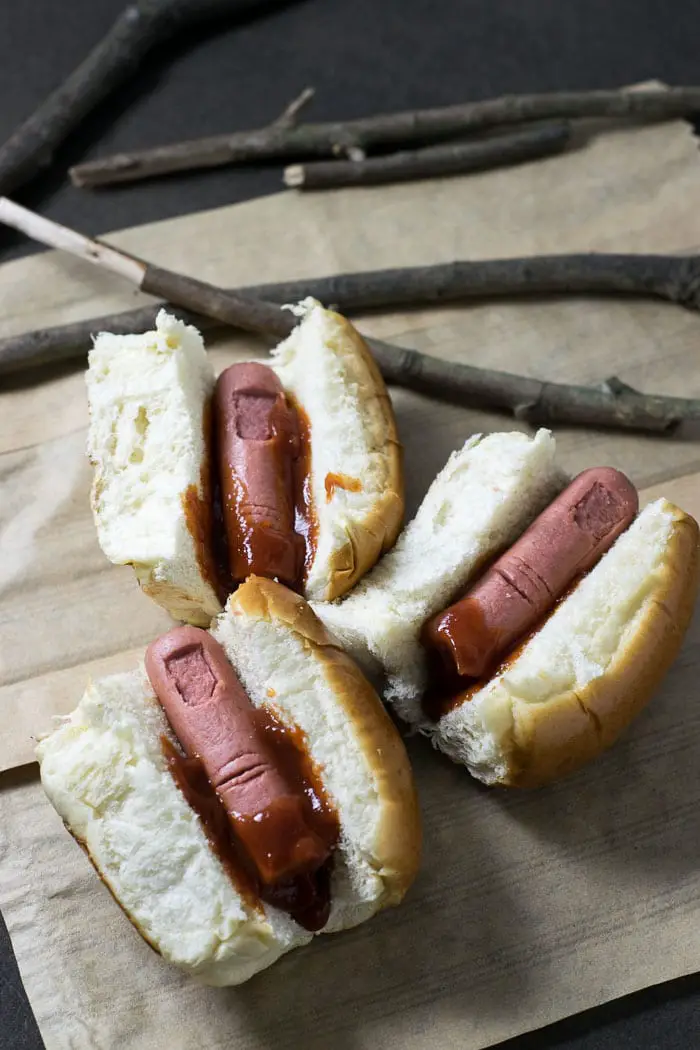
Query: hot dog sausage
point(258, 440)
point(567, 539)
point(214, 720)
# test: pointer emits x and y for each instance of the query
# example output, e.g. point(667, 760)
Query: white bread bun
point(592, 666)
point(147, 396)
point(105, 772)
point(484, 497)
point(328, 369)
point(149, 399)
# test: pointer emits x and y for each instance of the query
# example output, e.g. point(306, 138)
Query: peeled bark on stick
point(613, 404)
point(672, 277)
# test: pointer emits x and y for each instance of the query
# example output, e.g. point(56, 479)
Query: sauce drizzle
point(306, 898)
point(449, 690)
point(205, 515)
point(341, 481)
point(305, 519)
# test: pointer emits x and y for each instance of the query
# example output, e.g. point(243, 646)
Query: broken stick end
point(294, 176)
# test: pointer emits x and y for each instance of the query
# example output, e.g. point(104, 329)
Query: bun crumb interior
point(356, 470)
point(148, 395)
point(481, 500)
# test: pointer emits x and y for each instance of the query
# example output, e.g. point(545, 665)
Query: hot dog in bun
point(523, 660)
point(243, 793)
point(291, 471)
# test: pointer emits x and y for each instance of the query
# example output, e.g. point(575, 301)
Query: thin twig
point(672, 277)
point(614, 404)
point(289, 117)
point(253, 315)
point(112, 61)
point(55, 235)
point(68, 342)
point(452, 158)
point(386, 130)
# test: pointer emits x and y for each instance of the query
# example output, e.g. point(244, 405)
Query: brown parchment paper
point(529, 906)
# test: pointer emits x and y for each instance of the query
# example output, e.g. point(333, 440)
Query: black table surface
point(362, 57)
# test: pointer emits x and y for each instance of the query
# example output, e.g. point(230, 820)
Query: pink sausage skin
point(214, 720)
point(257, 435)
point(566, 540)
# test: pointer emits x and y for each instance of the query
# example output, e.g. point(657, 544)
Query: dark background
point(362, 57)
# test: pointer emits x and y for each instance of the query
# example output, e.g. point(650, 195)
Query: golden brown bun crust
point(398, 848)
point(378, 532)
point(553, 739)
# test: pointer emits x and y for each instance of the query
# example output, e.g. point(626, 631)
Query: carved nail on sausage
point(566, 540)
point(213, 718)
point(258, 442)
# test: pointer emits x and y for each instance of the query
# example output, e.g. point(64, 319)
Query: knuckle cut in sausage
point(214, 720)
point(512, 597)
point(258, 442)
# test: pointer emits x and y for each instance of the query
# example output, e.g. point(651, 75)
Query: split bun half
point(570, 690)
point(149, 397)
point(105, 771)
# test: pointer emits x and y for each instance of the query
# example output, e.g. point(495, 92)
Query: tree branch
point(540, 140)
point(672, 277)
point(614, 404)
point(386, 130)
point(112, 61)
point(252, 315)
point(69, 342)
